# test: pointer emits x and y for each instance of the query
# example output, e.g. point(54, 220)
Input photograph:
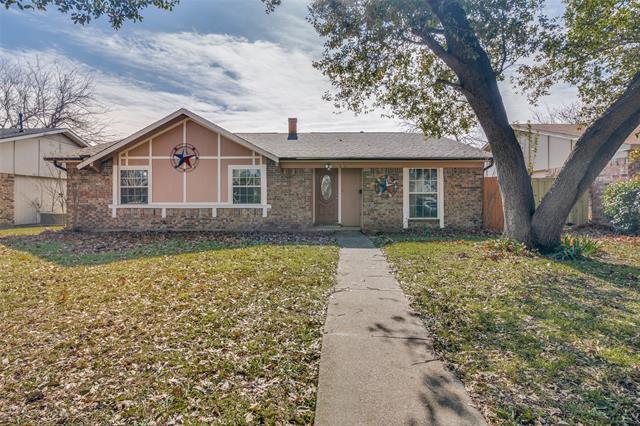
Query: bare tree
point(51, 96)
point(571, 113)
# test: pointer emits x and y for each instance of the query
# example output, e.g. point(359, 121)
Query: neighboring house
point(28, 184)
point(546, 147)
point(184, 172)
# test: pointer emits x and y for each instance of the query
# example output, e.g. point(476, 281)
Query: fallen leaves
point(162, 328)
point(535, 341)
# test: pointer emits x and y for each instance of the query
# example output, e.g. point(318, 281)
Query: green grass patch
point(535, 340)
point(27, 230)
point(160, 329)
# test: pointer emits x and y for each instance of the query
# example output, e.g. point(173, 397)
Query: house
point(184, 172)
point(547, 146)
point(28, 184)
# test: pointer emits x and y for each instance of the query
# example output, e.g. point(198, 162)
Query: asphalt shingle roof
point(80, 153)
point(13, 132)
point(362, 145)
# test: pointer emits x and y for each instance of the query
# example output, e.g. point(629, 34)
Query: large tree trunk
point(539, 228)
point(478, 83)
point(592, 152)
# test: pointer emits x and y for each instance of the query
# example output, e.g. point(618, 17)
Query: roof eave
point(385, 158)
point(182, 111)
point(70, 134)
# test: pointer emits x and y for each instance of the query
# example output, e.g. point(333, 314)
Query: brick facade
point(381, 213)
point(463, 198)
point(462, 201)
point(289, 194)
point(7, 206)
point(618, 169)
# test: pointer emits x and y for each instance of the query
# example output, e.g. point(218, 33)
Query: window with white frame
point(246, 185)
point(423, 193)
point(134, 186)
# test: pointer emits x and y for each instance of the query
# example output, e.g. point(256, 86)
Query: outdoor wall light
point(328, 166)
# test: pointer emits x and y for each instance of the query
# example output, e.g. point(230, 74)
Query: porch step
point(333, 228)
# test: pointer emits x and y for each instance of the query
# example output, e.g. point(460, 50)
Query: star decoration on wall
point(185, 157)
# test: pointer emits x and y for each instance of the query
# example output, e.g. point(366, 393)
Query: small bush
point(502, 248)
point(575, 248)
point(621, 203)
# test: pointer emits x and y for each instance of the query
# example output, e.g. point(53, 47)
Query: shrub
point(574, 248)
point(502, 248)
point(621, 203)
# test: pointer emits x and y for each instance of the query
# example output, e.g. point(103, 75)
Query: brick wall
point(7, 185)
point(381, 213)
point(462, 201)
point(463, 198)
point(616, 170)
point(289, 194)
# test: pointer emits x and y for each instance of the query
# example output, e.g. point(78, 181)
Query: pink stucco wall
point(204, 139)
point(167, 182)
point(232, 149)
point(202, 182)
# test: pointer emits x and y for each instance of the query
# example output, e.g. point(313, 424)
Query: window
point(325, 187)
point(246, 184)
point(134, 186)
point(423, 193)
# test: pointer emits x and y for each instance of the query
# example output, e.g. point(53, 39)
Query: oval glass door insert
point(325, 187)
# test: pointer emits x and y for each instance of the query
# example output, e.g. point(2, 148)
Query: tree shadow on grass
point(71, 249)
point(544, 344)
point(554, 344)
point(617, 274)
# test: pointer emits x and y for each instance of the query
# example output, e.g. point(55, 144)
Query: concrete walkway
point(377, 365)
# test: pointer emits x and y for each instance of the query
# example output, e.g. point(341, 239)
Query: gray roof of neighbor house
point(363, 145)
point(17, 134)
point(569, 130)
point(80, 153)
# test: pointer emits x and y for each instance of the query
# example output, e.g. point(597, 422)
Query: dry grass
point(534, 340)
point(161, 329)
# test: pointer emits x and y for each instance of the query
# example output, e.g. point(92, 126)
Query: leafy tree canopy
point(117, 11)
point(398, 53)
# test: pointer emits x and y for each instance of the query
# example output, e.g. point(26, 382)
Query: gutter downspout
point(489, 166)
point(58, 166)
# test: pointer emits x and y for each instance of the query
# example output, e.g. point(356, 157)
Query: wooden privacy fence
point(492, 211)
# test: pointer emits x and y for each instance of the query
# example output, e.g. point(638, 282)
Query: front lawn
point(143, 328)
point(533, 339)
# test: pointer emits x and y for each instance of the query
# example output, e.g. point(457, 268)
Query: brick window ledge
point(213, 206)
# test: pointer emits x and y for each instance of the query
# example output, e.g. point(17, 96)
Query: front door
point(326, 193)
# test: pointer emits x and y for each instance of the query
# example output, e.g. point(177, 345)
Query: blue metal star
point(184, 158)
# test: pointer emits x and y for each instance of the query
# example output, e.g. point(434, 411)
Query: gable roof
point(307, 146)
point(363, 145)
point(176, 115)
point(571, 131)
point(14, 134)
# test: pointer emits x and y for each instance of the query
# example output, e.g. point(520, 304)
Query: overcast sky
point(224, 59)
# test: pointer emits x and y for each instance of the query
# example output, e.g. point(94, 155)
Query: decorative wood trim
point(405, 198)
point(313, 196)
point(339, 196)
point(219, 166)
point(441, 196)
point(184, 174)
point(115, 190)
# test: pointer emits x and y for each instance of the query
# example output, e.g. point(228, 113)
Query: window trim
point(263, 182)
point(406, 199)
point(119, 184)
